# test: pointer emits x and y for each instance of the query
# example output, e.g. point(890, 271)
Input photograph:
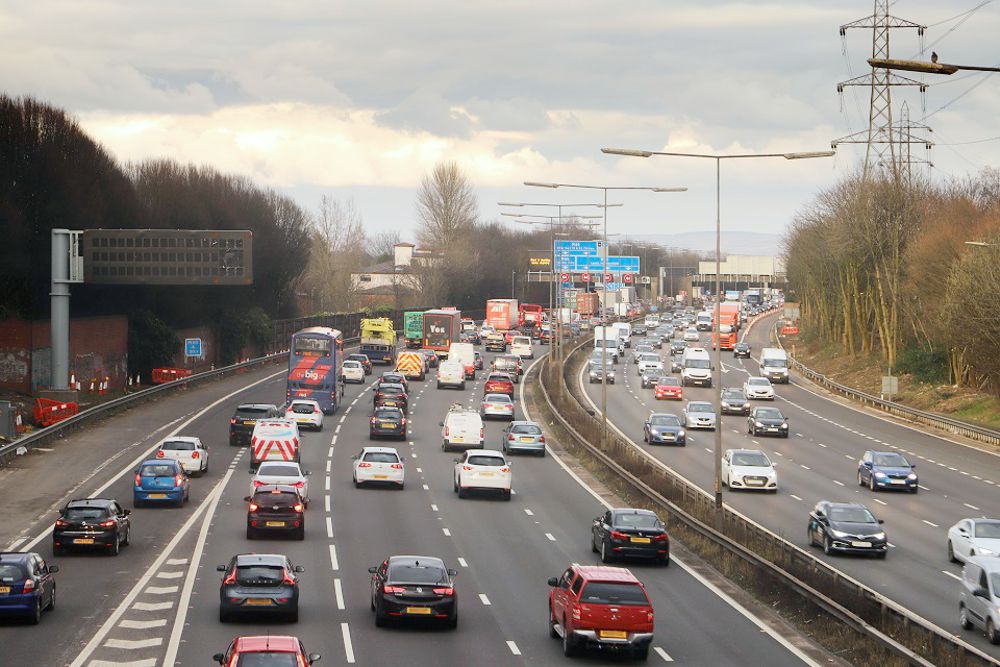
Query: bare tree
point(446, 207)
point(380, 246)
point(338, 250)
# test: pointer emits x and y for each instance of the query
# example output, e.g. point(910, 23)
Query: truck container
point(378, 340)
point(441, 328)
point(586, 303)
point(502, 314)
point(727, 327)
point(622, 309)
point(413, 328)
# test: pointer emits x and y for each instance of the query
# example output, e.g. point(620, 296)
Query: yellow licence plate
point(83, 540)
point(486, 474)
point(418, 610)
point(380, 476)
point(157, 495)
point(641, 540)
point(526, 439)
point(274, 524)
point(613, 634)
point(386, 424)
point(249, 423)
point(4, 589)
point(259, 602)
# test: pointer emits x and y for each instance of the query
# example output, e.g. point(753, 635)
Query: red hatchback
point(668, 387)
point(499, 383)
point(266, 650)
point(599, 607)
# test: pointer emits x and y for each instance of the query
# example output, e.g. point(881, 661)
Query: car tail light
point(195, 455)
point(253, 507)
point(60, 522)
point(110, 523)
point(396, 466)
point(373, 420)
point(29, 585)
point(661, 537)
point(446, 431)
point(257, 482)
point(505, 469)
point(159, 454)
point(298, 507)
point(445, 591)
point(230, 578)
point(364, 465)
point(404, 421)
point(395, 589)
point(482, 433)
point(541, 439)
point(510, 437)
point(138, 479)
point(649, 616)
point(618, 535)
point(466, 467)
point(299, 485)
point(178, 480)
point(232, 420)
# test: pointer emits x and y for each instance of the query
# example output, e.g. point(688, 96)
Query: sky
point(359, 100)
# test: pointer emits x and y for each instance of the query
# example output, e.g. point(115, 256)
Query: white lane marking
point(529, 512)
point(951, 574)
point(462, 562)
point(663, 654)
point(931, 524)
point(434, 508)
point(329, 527)
point(821, 445)
point(326, 483)
point(148, 606)
point(161, 590)
point(485, 600)
point(426, 488)
point(142, 625)
point(16, 543)
point(337, 430)
point(838, 482)
point(708, 450)
point(334, 564)
point(446, 532)
point(345, 630)
point(513, 647)
point(328, 464)
point(804, 467)
point(794, 496)
point(881, 502)
point(552, 538)
point(342, 419)
point(848, 456)
point(148, 662)
point(338, 592)
point(971, 507)
point(329, 452)
point(132, 644)
point(923, 487)
point(326, 503)
point(420, 469)
point(333, 441)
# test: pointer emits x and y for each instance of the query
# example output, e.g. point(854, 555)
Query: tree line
point(882, 265)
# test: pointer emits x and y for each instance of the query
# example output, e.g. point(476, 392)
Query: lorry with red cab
point(502, 314)
point(441, 328)
point(729, 323)
point(531, 315)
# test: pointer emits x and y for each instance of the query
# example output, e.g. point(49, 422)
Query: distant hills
point(735, 242)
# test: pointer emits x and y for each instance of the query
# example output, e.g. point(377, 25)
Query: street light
point(982, 244)
point(717, 380)
point(604, 290)
point(926, 67)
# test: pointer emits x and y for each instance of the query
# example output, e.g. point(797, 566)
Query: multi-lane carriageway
point(819, 461)
point(157, 602)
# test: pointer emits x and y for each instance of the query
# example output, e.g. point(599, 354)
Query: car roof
point(380, 450)
point(90, 502)
point(485, 452)
point(839, 505)
point(16, 556)
point(270, 488)
point(524, 422)
point(304, 400)
point(414, 560)
point(745, 451)
point(181, 438)
point(282, 643)
point(632, 510)
point(170, 462)
point(260, 559)
point(605, 573)
point(989, 563)
point(243, 406)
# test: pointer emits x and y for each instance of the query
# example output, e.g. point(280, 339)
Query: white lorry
point(606, 338)
point(774, 364)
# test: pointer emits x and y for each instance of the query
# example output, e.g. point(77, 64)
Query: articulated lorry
point(413, 328)
point(441, 328)
point(378, 340)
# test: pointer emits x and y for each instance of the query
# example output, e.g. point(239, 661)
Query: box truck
point(502, 314)
point(441, 328)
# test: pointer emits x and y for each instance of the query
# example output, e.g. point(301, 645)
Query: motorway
point(157, 603)
point(819, 461)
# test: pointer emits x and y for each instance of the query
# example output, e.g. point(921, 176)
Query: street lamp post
point(604, 282)
point(717, 380)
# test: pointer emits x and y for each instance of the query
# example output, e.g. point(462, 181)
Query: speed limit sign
point(627, 279)
point(564, 277)
point(608, 278)
point(586, 277)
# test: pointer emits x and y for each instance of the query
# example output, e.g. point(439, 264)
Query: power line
point(968, 143)
point(960, 95)
point(958, 16)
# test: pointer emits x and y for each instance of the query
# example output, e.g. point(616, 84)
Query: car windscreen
point(302, 408)
point(496, 398)
point(891, 460)
point(268, 659)
point(281, 499)
point(698, 363)
point(158, 471)
point(412, 573)
point(733, 395)
point(260, 574)
point(769, 413)
point(85, 513)
point(491, 461)
point(11, 572)
point(388, 414)
point(526, 429)
point(277, 470)
point(178, 445)
point(251, 413)
point(352, 365)
point(634, 520)
point(380, 457)
point(755, 460)
point(700, 407)
point(664, 420)
point(602, 592)
point(668, 382)
point(988, 529)
point(851, 515)
point(758, 382)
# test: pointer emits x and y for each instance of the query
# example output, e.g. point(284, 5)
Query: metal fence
point(901, 633)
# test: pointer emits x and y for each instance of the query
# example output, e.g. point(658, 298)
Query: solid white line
point(446, 532)
point(329, 527)
point(148, 662)
point(334, 564)
point(485, 600)
point(143, 625)
point(16, 543)
point(551, 537)
point(513, 647)
point(338, 591)
point(663, 654)
point(326, 503)
point(348, 647)
point(932, 525)
point(462, 562)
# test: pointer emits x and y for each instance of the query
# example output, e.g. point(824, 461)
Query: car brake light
point(510, 437)
point(505, 469)
point(253, 507)
point(299, 485)
point(482, 433)
point(661, 537)
point(404, 421)
point(541, 439)
point(110, 523)
point(396, 466)
point(230, 578)
point(466, 467)
point(287, 579)
point(446, 431)
point(60, 522)
point(618, 535)
point(364, 465)
point(576, 613)
point(138, 479)
point(29, 585)
point(649, 616)
point(178, 480)
point(232, 420)
point(395, 589)
point(445, 591)
point(373, 420)
point(195, 455)
point(257, 482)
point(159, 454)
point(298, 507)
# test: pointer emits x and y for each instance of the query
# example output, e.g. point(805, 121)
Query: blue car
point(887, 470)
point(160, 481)
point(26, 585)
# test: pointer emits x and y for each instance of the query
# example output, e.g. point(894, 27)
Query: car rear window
point(178, 445)
point(388, 413)
point(251, 413)
point(641, 521)
point(390, 391)
point(281, 499)
point(602, 592)
point(278, 471)
point(158, 471)
point(381, 457)
point(268, 659)
point(303, 408)
point(496, 398)
point(492, 461)
point(417, 574)
point(527, 429)
point(260, 574)
point(10, 572)
point(81, 513)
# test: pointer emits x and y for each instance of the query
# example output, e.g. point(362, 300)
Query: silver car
point(523, 436)
point(596, 372)
point(497, 405)
point(698, 414)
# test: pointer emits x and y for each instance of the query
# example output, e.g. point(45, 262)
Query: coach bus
point(314, 367)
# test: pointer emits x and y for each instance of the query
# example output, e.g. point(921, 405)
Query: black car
point(276, 508)
point(92, 523)
point(741, 350)
point(677, 347)
point(245, 418)
point(362, 359)
point(654, 341)
point(767, 421)
point(639, 329)
point(413, 587)
point(387, 422)
point(846, 528)
point(649, 376)
point(29, 585)
point(391, 396)
point(392, 377)
point(735, 402)
point(431, 356)
point(663, 428)
point(630, 532)
point(677, 363)
point(259, 584)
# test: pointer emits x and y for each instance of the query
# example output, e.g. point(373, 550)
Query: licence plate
point(458, 439)
point(641, 540)
point(4, 589)
point(612, 634)
point(754, 482)
point(386, 425)
point(249, 423)
point(897, 481)
point(380, 477)
point(418, 610)
point(486, 474)
point(157, 495)
point(526, 439)
point(274, 524)
point(259, 602)
point(83, 540)
point(861, 544)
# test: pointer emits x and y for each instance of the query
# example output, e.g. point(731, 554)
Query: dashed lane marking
point(663, 654)
point(513, 647)
point(133, 644)
point(528, 512)
point(329, 527)
point(930, 523)
point(971, 507)
point(838, 482)
point(153, 606)
point(345, 630)
point(462, 562)
point(148, 662)
point(334, 564)
point(434, 508)
point(485, 600)
point(951, 574)
point(552, 538)
point(447, 533)
point(338, 592)
point(881, 502)
point(794, 496)
point(326, 503)
point(161, 590)
point(169, 575)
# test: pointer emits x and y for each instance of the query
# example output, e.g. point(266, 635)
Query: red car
point(668, 387)
point(499, 383)
point(266, 650)
point(600, 607)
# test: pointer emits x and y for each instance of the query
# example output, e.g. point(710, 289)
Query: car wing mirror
point(299, 568)
point(219, 658)
point(440, 423)
point(53, 569)
point(308, 472)
point(314, 657)
point(126, 512)
point(452, 572)
point(553, 581)
point(458, 460)
point(981, 593)
point(913, 465)
point(372, 570)
point(246, 499)
point(881, 521)
point(220, 568)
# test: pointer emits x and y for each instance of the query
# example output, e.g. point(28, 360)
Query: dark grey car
point(259, 584)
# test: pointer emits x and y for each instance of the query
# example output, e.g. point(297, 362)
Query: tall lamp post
point(717, 380)
point(604, 290)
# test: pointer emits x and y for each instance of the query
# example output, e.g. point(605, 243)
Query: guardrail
point(900, 634)
point(957, 426)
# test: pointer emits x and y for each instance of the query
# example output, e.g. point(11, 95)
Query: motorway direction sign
point(192, 347)
point(616, 263)
point(167, 257)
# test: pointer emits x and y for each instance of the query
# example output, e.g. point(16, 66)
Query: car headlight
point(838, 533)
point(880, 474)
point(654, 432)
point(982, 551)
point(758, 425)
point(784, 426)
point(912, 475)
point(680, 433)
point(878, 536)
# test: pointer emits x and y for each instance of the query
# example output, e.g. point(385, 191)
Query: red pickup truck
point(600, 607)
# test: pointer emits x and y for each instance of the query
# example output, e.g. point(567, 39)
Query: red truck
point(600, 607)
point(531, 314)
point(502, 314)
point(441, 328)
point(729, 314)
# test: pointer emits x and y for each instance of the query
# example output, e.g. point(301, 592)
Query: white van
point(704, 321)
point(624, 330)
point(521, 346)
point(464, 354)
point(608, 338)
point(451, 374)
point(774, 364)
point(462, 429)
point(696, 367)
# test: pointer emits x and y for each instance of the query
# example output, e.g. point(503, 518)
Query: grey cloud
point(427, 112)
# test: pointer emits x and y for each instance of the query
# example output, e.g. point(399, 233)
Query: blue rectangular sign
point(616, 264)
point(192, 347)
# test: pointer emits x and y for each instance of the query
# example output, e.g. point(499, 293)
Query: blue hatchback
point(160, 481)
point(887, 470)
point(26, 585)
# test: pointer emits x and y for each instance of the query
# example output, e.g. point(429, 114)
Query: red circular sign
point(608, 278)
point(586, 277)
point(564, 277)
point(627, 278)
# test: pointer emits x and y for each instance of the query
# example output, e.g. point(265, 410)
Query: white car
point(451, 374)
point(306, 413)
point(758, 387)
point(482, 470)
point(748, 469)
point(650, 361)
point(192, 455)
point(973, 537)
point(379, 465)
point(353, 371)
point(691, 334)
point(521, 346)
point(639, 350)
point(288, 473)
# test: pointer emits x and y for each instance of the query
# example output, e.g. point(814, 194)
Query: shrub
point(924, 365)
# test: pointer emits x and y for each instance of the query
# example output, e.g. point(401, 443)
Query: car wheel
point(251, 533)
point(665, 561)
point(963, 618)
point(827, 545)
point(293, 615)
point(645, 438)
point(861, 482)
point(52, 599)
point(357, 484)
point(915, 489)
point(871, 483)
point(453, 621)
point(380, 617)
point(593, 542)
point(881, 555)
point(507, 495)
point(58, 551)
point(541, 454)
point(568, 643)
point(116, 546)
point(461, 492)
point(36, 614)
point(605, 558)
point(641, 653)
point(224, 616)
point(552, 625)
point(301, 534)
point(951, 553)
point(991, 632)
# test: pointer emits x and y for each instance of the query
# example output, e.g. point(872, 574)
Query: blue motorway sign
point(616, 264)
point(192, 347)
point(565, 252)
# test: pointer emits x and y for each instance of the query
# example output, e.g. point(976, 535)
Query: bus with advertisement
point(315, 358)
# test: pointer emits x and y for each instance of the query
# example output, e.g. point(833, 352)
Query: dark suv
point(90, 523)
point(276, 508)
point(245, 418)
point(259, 583)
